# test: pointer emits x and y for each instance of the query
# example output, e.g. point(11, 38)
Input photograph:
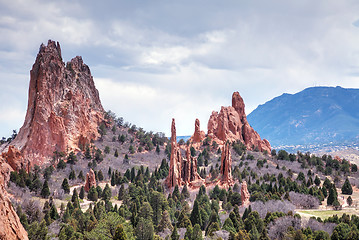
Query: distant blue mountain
point(315, 115)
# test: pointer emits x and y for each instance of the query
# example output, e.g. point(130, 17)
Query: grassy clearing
point(324, 214)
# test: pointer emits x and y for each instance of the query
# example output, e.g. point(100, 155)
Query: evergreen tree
point(158, 149)
point(100, 175)
point(45, 191)
point(165, 222)
point(72, 159)
point(106, 193)
point(197, 232)
point(121, 192)
point(92, 194)
point(174, 235)
point(75, 199)
point(120, 233)
point(144, 229)
point(347, 187)
point(349, 200)
point(65, 185)
point(82, 193)
point(81, 176)
point(195, 214)
point(72, 175)
point(53, 212)
point(113, 180)
point(332, 196)
point(317, 180)
point(116, 153)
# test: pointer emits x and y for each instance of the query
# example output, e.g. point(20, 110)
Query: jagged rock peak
point(64, 108)
point(231, 124)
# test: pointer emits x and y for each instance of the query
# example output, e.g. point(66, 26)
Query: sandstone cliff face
point(198, 135)
point(64, 108)
point(231, 124)
point(245, 194)
point(90, 180)
point(10, 225)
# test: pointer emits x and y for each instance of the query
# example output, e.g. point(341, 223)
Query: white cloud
point(154, 61)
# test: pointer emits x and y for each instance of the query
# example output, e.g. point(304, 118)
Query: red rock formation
point(226, 166)
point(10, 225)
point(189, 168)
point(198, 135)
point(64, 108)
point(90, 180)
point(15, 159)
point(245, 194)
point(231, 124)
point(174, 175)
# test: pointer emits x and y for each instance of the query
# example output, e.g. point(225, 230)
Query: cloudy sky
point(154, 60)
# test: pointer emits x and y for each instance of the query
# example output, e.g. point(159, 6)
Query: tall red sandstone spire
point(174, 175)
point(64, 108)
point(231, 124)
point(226, 166)
point(198, 135)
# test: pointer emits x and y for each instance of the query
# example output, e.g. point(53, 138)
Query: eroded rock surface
point(10, 225)
point(64, 108)
point(245, 194)
point(90, 180)
point(231, 124)
point(198, 135)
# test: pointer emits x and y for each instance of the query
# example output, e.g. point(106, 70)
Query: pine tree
point(100, 175)
point(65, 185)
point(81, 176)
point(106, 193)
point(53, 212)
point(116, 153)
point(347, 187)
point(197, 232)
point(174, 235)
point(75, 199)
point(45, 191)
point(120, 233)
point(113, 180)
point(82, 193)
point(195, 214)
point(165, 222)
point(92, 194)
point(121, 192)
point(332, 196)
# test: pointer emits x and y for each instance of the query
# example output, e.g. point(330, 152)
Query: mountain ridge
point(314, 115)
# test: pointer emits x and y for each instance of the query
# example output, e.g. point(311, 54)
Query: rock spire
point(90, 180)
point(226, 166)
point(174, 175)
point(198, 135)
point(245, 194)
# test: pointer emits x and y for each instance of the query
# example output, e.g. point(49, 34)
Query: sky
point(157, 60)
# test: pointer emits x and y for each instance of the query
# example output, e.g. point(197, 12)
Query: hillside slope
point(313, 116)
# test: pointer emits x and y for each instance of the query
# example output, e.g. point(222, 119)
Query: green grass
point(328, 213)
